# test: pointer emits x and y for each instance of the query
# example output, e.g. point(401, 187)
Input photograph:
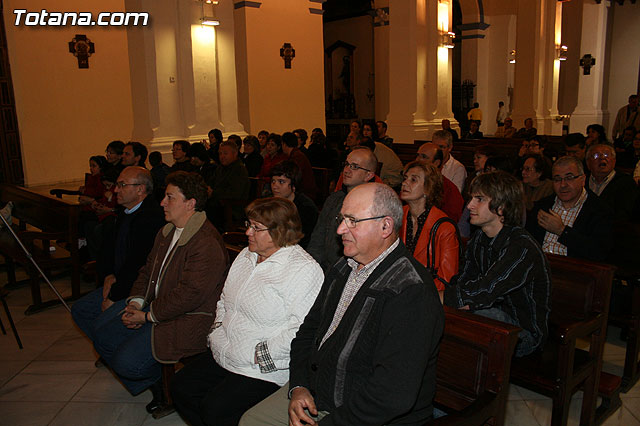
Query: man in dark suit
point(618, 190)
point(573, 222)
point(126, 251)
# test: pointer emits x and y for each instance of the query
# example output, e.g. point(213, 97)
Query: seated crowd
point(333, 312)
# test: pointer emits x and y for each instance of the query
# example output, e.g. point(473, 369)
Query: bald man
point(452, 201)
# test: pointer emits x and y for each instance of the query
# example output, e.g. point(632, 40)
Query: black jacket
point(126, 256)
point(379, 365)
point(589, 237)
point(620, 195)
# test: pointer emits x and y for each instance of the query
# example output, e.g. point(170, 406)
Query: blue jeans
point(86, 311)
point(526, 342)
point(127, 351)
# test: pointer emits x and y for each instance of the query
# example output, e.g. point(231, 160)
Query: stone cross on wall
point(82, 48)
point(586, 63)
point(287, 52)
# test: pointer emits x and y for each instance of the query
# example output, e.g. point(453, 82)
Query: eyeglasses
point(351, 222)
point(248, 226)
point(353, 166)
point(123, 184)
point(599, 155)
point(568, 179)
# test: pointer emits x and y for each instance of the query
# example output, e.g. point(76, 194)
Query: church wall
point(66, 114)
point(624, 62)
point(358, 32)
point(269, 96)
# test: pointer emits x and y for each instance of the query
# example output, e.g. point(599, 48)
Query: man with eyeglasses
point(573, 222)
point(366, 352)
point(452, 169)
point(180, 151)
point(616, 189)
point(125, 250)
point(325, 246)
point(171, 305)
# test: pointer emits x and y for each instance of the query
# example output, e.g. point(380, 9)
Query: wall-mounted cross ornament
point(586, 63)
point(82, 48)
point(287, 52)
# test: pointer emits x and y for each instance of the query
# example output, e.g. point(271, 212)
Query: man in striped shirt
point(504, 274)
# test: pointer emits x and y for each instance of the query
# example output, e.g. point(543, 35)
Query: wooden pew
point(463, 150)
point(580, 306)
point(627, 288)
point(235, 242)
point(57, 220)
point(473, 369)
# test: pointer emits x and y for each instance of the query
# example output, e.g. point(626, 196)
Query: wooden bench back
point(43, 212)
point(235, 242)
point(579, 287)
point(463, 150)
point(475, 357)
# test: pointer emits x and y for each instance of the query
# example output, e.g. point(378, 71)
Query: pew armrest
point(477, 413)
point(566, 330)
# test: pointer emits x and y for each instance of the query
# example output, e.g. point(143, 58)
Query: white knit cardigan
point(264, 302)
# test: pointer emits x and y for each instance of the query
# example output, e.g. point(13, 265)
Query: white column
point(536, 71)
point(444, 71)
point(182, 73)
point(591, 87)
point(549, 122)
point(418, 66)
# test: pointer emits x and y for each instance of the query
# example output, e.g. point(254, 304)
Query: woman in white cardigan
point(268, 292)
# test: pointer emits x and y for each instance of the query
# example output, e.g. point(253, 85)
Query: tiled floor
point(53, 380)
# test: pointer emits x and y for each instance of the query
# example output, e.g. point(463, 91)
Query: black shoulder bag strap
point(431, 247)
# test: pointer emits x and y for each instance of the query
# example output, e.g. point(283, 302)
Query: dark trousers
point(206, 394)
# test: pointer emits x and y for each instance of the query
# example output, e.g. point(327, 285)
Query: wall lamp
point(207, 17)
point(446, 39)
point(561, 53)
